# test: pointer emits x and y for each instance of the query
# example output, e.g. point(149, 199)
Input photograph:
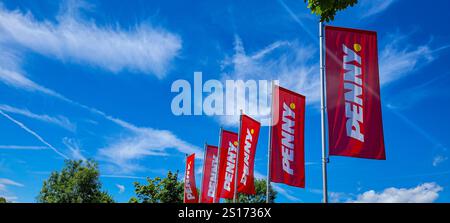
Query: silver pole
point(203, 173)
point(218, 165)
point(236, 170)
point(322, 109)
point(269, 149)
point(185, 172)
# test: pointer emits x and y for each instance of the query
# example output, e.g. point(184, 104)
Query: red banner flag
point(210, 167)
point(227, 164)
point(353, 94)
point(248, 138)
point(287, 139)
point(190, 190)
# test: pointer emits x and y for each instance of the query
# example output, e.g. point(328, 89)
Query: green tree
point(260, 196)
point(327, 9)
point(78, 182)
point(3, 200)
point(159, 190)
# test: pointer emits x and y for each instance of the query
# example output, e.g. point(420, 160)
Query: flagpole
point(322, 111)
point(269, 149)
point(218, 165)
point(236, 171)
point(203, 172)
point(184, 188)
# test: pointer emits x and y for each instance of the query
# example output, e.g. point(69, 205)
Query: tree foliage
point(159, 190)
point(260, 196)
point(327, 9)
point(77, 182)
point(3, 200)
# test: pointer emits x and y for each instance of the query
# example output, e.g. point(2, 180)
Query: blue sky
point(92, 79)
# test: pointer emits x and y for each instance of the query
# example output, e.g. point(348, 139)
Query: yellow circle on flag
point(235, 143)
point(357, 47)
point(252, 131)
point(292, 105)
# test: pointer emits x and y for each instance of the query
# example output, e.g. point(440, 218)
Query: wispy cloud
point(285, 193)
point(4, 186)
point(60, 120)
point(406, 98)
point(438, 159)
point(141, 142)
point(398, 60)
point(281, 60)
point(121, 188)
point(373, 7)
point(144, 48)
point(7, 182)
point(12, 75)
point(16, 147)
point(33, 133)
point(74, 147)
point(424, 193)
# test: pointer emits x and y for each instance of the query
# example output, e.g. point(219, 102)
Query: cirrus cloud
point(144, 48)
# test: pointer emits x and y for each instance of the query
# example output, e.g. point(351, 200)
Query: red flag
point(211, 163)
point(287, 138)
point(248, 138)
point(353, 94)
point(190, 190)
point(227, 164)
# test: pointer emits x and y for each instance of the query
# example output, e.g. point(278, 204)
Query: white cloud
point(12, 75)
point(121, 188)
point(4, 183)
point(287, 61)
point(9, 182)
point(4, 186)
point(437, 160)
point(60, 120)
point(141, 142)
point(335, 197)
point(143, 48)
point(424, 193)
point(285, 193)
point(259, 175)
point(373, 7)
point(17, 147)
point(74, 147)
point(398, 60)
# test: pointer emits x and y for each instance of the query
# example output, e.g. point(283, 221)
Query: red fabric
point(227, 164)
point(353, 94)
point(248, 138)
point(287, 142)
point(211, 163)
point(190, 190)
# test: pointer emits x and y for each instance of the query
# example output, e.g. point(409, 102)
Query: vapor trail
point(37, 136)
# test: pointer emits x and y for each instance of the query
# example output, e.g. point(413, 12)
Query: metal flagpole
point(203, 173)
point(184, 188)
point(218, 165)
point(236, 170)
point(323, 107)
point(269, 147)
